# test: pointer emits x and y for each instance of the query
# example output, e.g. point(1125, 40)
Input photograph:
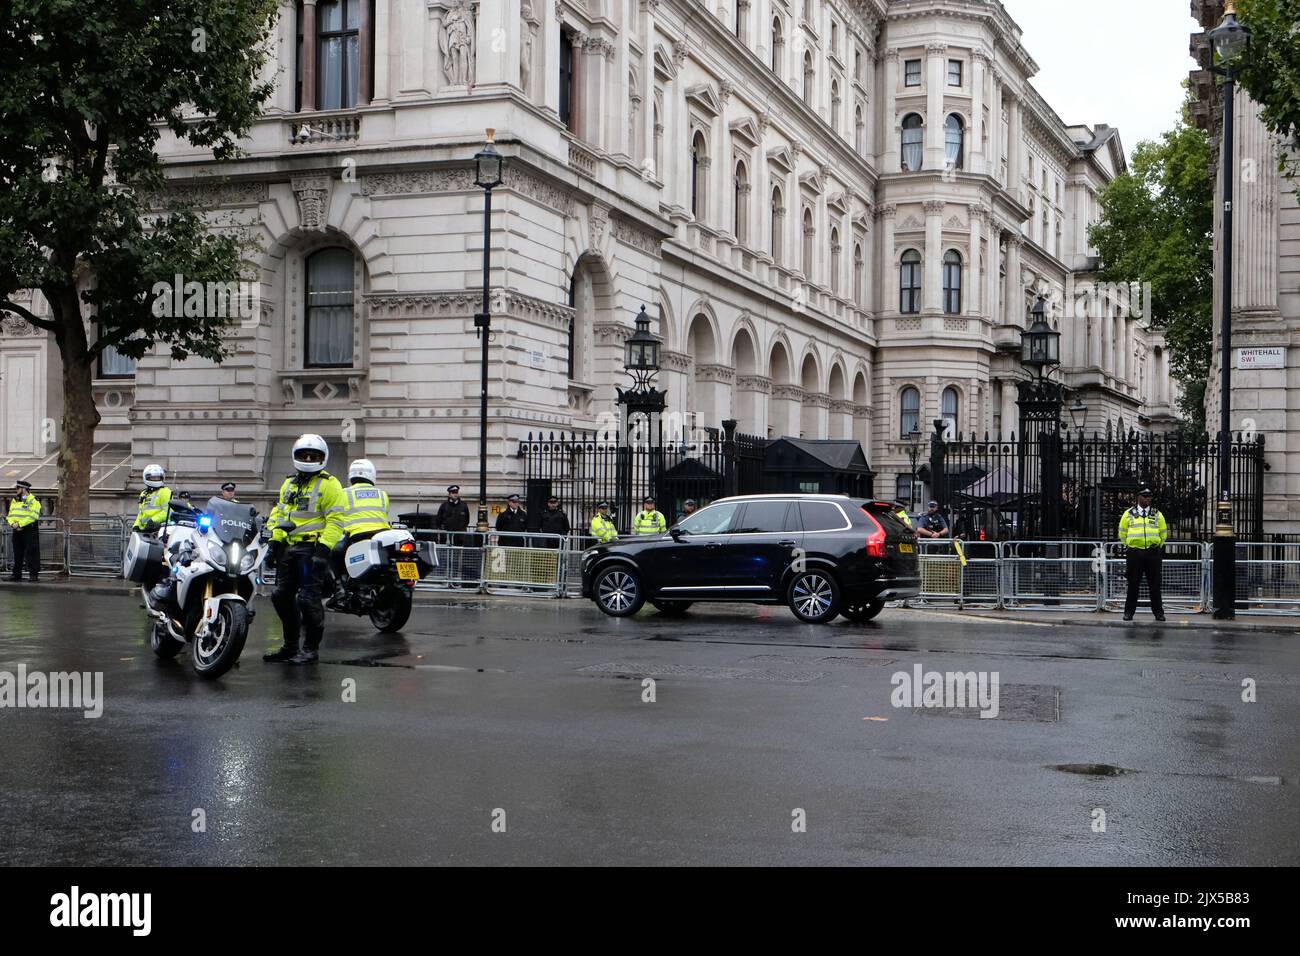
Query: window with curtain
point(912, 142)
point(909, 282)
point(949, 410)
point(952, 282)
point(113, 364)
point(338, 26)
point(910, 415)
point(330, 296)
point(954, 136)
point(912, 73)
point(954, 72)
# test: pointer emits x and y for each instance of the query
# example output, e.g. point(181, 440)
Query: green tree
point(1269, 70)
point(86, 92)
point(1156, 226)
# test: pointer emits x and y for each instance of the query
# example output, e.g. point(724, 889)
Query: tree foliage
point(87, 90)
point(1156, 226)
point(1269, 71)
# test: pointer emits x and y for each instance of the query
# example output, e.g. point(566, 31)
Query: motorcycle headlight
point(216, 554)
point(247, 562)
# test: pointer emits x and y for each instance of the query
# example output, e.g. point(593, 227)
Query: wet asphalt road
point(536, 710)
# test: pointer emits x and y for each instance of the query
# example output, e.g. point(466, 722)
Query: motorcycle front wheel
point(163, 644)
point(220, 649)
point(393, 612)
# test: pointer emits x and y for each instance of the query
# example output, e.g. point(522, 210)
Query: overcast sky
point(1119, 62)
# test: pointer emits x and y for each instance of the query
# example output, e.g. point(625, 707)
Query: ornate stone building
point(837, 211)
point(1265, 392)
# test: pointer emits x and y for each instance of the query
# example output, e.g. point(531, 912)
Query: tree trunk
point(79, 413)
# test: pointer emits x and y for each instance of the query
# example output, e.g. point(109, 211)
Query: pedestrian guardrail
point(457, 559)
point(958, 574)
point(1268, 578)
point(1052, 575)
point(1184, 578)
point(95, 546)
point(523, 562)
point(53, 546)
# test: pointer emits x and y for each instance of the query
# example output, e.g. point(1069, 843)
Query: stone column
point(1013, 297)
point(862, 428)
point(548, 72)
point(994, 157)
point(979, 78)
point(889, 145)
point(993, 270)
point(971, 292)
point(281, 66)
point(935, 116)
point(888, 258)
point(365, 56)
point(496, 44)
point(383, 56)
point(596, 91)
point(1255, 213)
point(308, 55)
point(1015, 150)
point(932, 283)
point(678, 145)
point(1010, 410)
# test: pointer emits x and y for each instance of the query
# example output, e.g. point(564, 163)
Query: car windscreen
point(232, 521)
point(715, 519)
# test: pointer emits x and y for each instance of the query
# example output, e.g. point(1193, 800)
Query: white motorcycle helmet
point(362, 468)
point(154, 476)
point(303, 459)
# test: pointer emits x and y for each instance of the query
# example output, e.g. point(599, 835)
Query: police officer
point(365, 510)
point(602, 525)
point(155, 500)
point(306, 523)
point(513, 519)
point(648, 520)
point(688, 508)
point(24, 518)
point(901, 514)
point(453, 514)
point(932, 524)
point(554, 521)
point(228, 492)
point(1143, 532)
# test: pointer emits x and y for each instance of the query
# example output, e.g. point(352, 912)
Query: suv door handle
point(787, 543)
point(714, 544)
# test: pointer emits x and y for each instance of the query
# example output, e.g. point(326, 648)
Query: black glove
point(274, 552)
point(320, 564)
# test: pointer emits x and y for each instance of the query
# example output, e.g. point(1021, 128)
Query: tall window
point(952, 282)
point(912, 142)
point(835, 261)
point(909, 282)
point(912, 73)
point(859, 131)
point(910, 416)
point(808, 232)
point(954, 134)
point(954, 72)
point(807, 77)
point(328, 340)
point(113, 364)
point(835, 38)
point(835, 105)
point(778, 226)
point(567, 115)
point(572, 353)
point(340, 23)
point(778, 44)
point(699, 175)
point(859, 276)
point(740, 29)
point(949, 410)
point(740, 212)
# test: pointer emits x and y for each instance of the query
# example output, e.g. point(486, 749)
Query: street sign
point(1269, 357)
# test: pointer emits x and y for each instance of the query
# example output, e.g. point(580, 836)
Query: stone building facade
point(838, 213)
point(1266, 284)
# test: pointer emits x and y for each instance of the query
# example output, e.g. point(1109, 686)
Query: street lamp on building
point(1078, 413)
point(487, 176)
point(641, 361)
point(1228, 41)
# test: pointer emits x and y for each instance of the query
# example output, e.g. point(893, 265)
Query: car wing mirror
point(677, 533)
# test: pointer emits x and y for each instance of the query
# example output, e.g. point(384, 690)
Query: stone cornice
point(754, 383)
point(676, 361)
point(506, 303)
point(715, 373)
point(791, 393)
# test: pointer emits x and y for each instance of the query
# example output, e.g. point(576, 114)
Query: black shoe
point(283, 656)
point(1160, 617)
point(1128, 617)
point(305, 656)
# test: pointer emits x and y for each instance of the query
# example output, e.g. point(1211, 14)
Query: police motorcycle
point(198, 574)
point(379, 577)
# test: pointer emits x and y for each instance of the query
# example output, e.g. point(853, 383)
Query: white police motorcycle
point(208, 562)
point(380, 574)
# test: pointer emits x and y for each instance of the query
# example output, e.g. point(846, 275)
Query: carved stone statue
point(526, 50)
point(456, 41)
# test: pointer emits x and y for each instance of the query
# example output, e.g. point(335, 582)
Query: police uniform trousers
point(297, 597)
point(1144, 562)
point(27, 550)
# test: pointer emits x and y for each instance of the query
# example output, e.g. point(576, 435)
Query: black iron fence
point(1057, 484)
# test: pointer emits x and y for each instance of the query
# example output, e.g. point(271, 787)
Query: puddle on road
point(1090, 769)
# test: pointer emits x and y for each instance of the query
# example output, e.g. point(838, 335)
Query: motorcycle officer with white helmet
point(154, 500)
point(306, 523)
point(365, 510)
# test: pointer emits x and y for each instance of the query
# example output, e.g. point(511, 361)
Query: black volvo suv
point(821, 555)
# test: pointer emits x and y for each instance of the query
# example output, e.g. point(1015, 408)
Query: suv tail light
point(876, 540)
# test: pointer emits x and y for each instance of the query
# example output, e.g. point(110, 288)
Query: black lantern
point(1078, 413)
point(487, 164)
point(641, 355)
point(1040, 346)
point(1230, 38)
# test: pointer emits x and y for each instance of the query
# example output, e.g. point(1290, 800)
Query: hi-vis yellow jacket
point(1143, 531)
point(649, 522)
point(310, 509)
point(154, 504)
point(603, 529)
point(366, 508)
point(25, 511)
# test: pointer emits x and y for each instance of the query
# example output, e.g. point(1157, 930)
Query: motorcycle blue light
point(205, 522)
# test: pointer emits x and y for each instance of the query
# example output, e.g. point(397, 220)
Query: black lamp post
point(487, 176)
point(913, 453)
point(1078, 414)
point(1040, 417)
point(1228, 40)
point(641, 361)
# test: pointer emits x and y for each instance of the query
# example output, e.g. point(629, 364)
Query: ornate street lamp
point(1078, 413)
point(641, 353)
point(487, 176)
point(1229, 40)
point(913, 453)
point(1040, 345)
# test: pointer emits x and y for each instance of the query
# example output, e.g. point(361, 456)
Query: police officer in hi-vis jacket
point(24, 520)
point(1143, 532)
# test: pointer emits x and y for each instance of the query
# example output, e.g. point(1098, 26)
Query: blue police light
point(205, 522)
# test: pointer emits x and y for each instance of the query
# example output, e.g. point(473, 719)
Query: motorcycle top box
point(142, 554)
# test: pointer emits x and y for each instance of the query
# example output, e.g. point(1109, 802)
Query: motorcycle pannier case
point(142, 554)
point(363, 558)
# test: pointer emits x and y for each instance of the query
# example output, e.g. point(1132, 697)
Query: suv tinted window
point(890, 521)
point(821, 516)
point(714, 519)
point(762, 517)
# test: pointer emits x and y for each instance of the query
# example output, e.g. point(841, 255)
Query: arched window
point(699, 175)
point(909, 282)
point(778, 44)
point(835, 105)
point(835, 261)
point(859, 131)
point(327, 342)
point(910, 412)
point(949, 410)
point(808, 232)
point(952, 282)
point(807, 77)
point(912, 142)
point(859, 276)
point(740, 197)
point(954, 134)
point(338, 29)
point(778, 226)
point(739, 18)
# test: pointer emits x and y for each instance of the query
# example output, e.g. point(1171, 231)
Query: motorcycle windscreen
point(232, 521)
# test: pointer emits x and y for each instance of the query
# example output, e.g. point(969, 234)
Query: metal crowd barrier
point(96, 545)
point(1052, 575)
point(1184, 578)
point(523, 562)
point(571, 571)
point(1268, 578)
point(457, 559)
point(948, 581)
point(53, 546)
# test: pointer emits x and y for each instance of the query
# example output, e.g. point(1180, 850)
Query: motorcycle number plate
point(408, 571)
